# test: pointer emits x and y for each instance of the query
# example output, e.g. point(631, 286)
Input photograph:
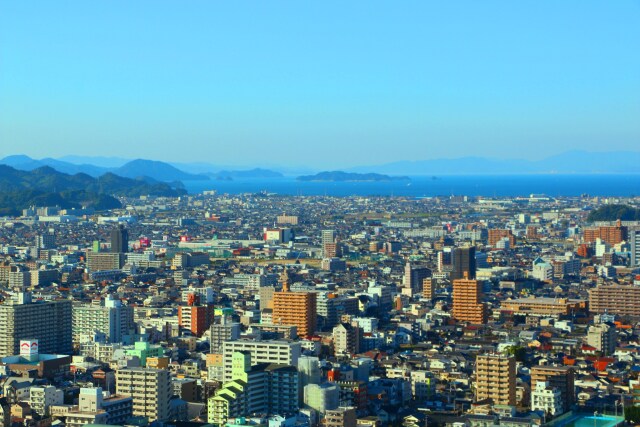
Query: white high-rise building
point(546, 398)
point(308, 373)
point(110, 317)
point(41, 398)
point(634, 239)
point(322, 397)
point(277, 351)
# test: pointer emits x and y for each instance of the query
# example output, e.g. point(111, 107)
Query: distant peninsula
point(45, 186)
point(339, 176)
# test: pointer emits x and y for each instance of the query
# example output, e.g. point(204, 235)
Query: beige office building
point(621, 300)
point(100, 261)
point(150, 389)
point(542, 306)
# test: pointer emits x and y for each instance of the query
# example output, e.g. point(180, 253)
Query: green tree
point(518, 351)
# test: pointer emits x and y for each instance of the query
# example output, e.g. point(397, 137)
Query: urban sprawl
point(262, 310)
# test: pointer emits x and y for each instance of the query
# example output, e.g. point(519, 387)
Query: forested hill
point(614, 213)
point(46, 186)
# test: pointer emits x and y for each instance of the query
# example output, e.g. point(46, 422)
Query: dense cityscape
point(320, 214)
point(281, 311)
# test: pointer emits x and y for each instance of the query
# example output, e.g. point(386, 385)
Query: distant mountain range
point(26, 163)
point(339, 176)
point(252, 173)
point(571, 162)
point(151, 170)
point(159, 171)
point(45, 186)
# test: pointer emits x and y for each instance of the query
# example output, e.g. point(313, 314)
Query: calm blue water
point(590, 421)
point(481, 185)
point(599, 421)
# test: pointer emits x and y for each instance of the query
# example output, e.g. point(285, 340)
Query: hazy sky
point(324, 83)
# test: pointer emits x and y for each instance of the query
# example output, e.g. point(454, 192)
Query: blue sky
point(328, 83)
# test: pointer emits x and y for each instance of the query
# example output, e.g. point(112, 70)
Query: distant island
point(229, 175)
point(339, 176)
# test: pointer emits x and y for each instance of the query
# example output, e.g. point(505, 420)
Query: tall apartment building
point(328, 310)
point(612, 235)
point(48, 322)
point(330, 307)
point(150, 389)
point(497, 234)
point(278, 352)
point(603, 337)
point(413, 277)
point(108, 316)
point(331, 250)
point(296, 309)
point(428, 288)
point(287, 219)
point(464, 263)
point(41, 399)
point(194, 317)
point(382, 294)
point(467, 306)
point(328, 236)
point(219, 333)
point(634, 239)
point(270, 389)
point(119, 239)
point(621, 300)
point(100, 261)
point(19, 277)
point(309, 371)
point(346, 339)
point(322, 397)
point(547, 398)
point(46, 240)
point(532, 232)
point(330, 247)
point(266, 297)
point(560, 377)
point(496, 379)
point(445, 260)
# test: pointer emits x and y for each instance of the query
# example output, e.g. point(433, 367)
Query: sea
point(428, 186)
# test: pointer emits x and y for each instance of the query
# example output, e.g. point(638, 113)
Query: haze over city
point(330, 84)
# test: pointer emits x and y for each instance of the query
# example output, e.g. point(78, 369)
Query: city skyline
point(320, 214)
point(260, 84)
